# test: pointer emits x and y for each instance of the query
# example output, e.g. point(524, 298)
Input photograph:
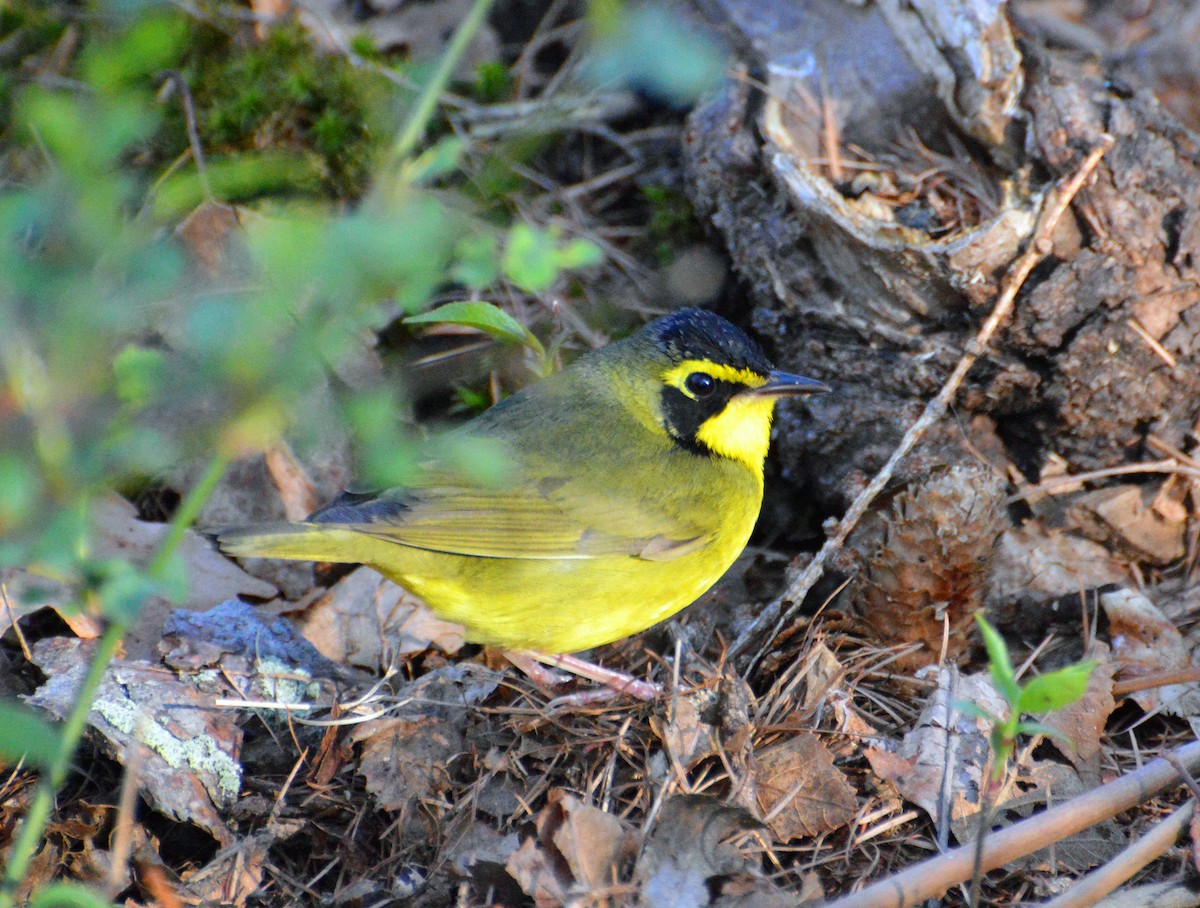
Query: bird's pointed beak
point(783, 384)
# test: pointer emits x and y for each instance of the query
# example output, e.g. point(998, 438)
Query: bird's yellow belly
point(562, 606)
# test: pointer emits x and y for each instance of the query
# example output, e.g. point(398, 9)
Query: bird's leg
point(529, 664)
point(615, 681)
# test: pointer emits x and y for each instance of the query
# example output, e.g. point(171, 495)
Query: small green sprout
point(1042, 694)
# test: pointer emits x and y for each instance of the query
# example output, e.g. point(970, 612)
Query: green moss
point(671, 222)
point(285, 94)
point(493, 83)
point(27, 30)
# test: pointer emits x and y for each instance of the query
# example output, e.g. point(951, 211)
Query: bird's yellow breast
point(563, 606)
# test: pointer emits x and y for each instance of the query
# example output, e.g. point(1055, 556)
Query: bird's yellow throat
point(742, 430)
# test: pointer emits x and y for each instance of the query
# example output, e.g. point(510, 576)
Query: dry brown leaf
point(1194, 837)
point(24, 592)
point(1145, 642)
point(541, 874)
point(1081, 724)
point(208, 237)
point(745, 890)
point(800, 792)
point(590, 840)
point(407, 760)
point(211, 576)
point(823, 673)
point(366, 620)
point(418, 30)
point(189, 766)
point(1121, 515)
point(707, 719)
point(578, 848)
point(691, 846)
point(480, 851)
point(1037, 562)
point(685, 734)
point(919, 766)
point(232, 877)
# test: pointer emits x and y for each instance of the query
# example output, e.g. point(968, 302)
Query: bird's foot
point(534, 664)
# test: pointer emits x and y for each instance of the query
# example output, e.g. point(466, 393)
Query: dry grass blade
point(1057, 202)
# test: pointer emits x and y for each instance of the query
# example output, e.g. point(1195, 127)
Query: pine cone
point(924, 562)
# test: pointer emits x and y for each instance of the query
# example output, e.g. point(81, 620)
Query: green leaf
point(139, 372)
point(975, 711)
point(148, 46)
point(234, 177)
point(24, 733)
point(648, 46)
point(476, 314)
point(998, 661)
point(530, 258)
point(580, 254)
point(477, 261)
point(123, 589)
point(443, 158)
point(1037, 728)
point(67, 895)
point(1056, 689)
point(20, 489)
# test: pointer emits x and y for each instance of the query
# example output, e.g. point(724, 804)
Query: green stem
point(34, 823)
point(186, 514)
point(418, 121)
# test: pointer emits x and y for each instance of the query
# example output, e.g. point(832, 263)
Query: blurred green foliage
point(122, 356)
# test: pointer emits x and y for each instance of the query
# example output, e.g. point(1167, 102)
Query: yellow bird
point(636, 479)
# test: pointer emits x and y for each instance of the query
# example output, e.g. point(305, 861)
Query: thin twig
point(1121, 868)
point(1054, 206)
point(1054, 485)
point(176, 80)
point(931, 878)
point(1159, 679)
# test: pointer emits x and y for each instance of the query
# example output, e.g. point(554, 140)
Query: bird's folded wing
point(547, 522)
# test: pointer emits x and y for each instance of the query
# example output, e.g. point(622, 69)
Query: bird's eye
point(701, 384)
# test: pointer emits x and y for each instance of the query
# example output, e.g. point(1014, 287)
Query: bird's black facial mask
point(719, 396)
point(713, 363)
point(685, 407)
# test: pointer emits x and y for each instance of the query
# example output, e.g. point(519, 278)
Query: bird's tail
point(292, 541)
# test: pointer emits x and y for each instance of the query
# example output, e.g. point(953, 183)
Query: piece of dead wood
point(297, 491)
point(1056, 203)
point(190, 769)
point(929, 879)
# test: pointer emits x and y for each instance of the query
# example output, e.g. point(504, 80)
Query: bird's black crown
point(697, 334)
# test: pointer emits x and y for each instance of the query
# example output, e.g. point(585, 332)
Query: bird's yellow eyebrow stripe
point(677, 375)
